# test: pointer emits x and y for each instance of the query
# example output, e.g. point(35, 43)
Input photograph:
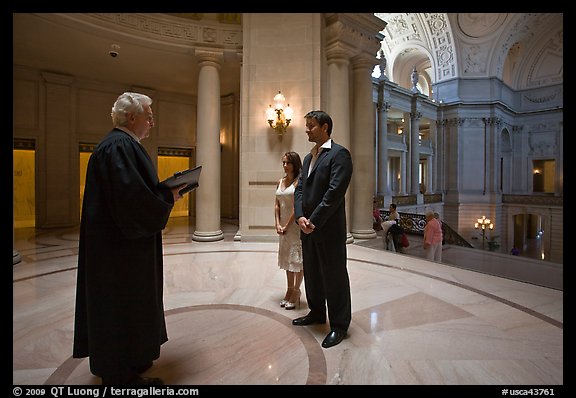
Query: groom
point(320, 211)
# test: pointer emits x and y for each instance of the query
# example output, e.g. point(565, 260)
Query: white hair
point(128, 103)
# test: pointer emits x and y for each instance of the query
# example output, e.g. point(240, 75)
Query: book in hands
point(189, 177)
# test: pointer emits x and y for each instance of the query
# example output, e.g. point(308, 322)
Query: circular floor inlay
point(225, 344)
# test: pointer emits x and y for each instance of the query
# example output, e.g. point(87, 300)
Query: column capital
point(492, 121)
point(339, 52)
point(209, 56)
point(364, 61)
point(384, 106)
point(360, 30)
point(416, 115)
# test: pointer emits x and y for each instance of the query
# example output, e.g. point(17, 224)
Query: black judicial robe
point(119, 316)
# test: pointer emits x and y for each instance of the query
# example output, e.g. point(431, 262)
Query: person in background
point(393, 216)
point(433, 237)
point(290, 245)
point(320, 210)
point(119, 316)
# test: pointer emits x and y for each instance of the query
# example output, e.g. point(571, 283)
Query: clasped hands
point(306, 225)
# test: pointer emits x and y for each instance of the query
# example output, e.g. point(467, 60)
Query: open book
point(189, 177)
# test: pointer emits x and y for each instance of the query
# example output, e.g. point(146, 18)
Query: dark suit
point(320, 197)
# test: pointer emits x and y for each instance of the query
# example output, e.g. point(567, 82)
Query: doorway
point(529, 236)
point(24, 183)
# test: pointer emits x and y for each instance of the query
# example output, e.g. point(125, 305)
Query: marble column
point(430, 174)
point(57, 155)
point(434, 142)
point(363, 140)
point(414, 151)
point(208, 147)
point(338, 104)
point(383, 187)
point(403, 174)
point(406, 176)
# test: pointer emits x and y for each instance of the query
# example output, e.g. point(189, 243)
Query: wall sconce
point(279, 118)
point(483, 223)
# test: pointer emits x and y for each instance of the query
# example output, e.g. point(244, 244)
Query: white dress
point(290, 245)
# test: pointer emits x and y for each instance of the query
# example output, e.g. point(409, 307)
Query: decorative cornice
point(360, 31)
point(167, 28)
point(541, 200)
point(543, 98)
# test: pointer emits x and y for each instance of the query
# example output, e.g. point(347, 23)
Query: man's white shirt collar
point(325, 145)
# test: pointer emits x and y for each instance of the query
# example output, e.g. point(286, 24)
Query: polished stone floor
point(414, 322)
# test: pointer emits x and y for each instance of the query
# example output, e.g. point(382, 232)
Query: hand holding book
point(189, 177)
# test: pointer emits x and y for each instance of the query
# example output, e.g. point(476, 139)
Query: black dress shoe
point(333, 338)
point(307, 320)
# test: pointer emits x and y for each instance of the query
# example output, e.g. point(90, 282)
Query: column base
point(16, 258)
point(207, 236)
point(364, 234)
point(349, 238)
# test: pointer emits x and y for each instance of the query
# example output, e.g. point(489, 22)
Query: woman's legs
point(294, 299)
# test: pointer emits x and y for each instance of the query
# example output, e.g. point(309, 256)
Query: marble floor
point(414, 322)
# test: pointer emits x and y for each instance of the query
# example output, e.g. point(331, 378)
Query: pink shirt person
point(433, 238)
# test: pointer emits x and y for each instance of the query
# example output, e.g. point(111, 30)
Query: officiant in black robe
point(119, 318)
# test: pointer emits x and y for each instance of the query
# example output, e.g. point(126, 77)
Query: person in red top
point(433, 238)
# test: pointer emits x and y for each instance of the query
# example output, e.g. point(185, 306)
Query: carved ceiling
point(525, 50)
point(157, 49)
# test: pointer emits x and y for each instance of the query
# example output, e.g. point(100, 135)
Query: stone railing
point(414, 224)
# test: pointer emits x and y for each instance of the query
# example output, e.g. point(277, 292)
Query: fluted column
point(208, 147)
point(363, 147)
point(430, 172)
point(338, 103)
point(383, 187)
point(435, 155)
point(414, 151)
point(356, 37)
point(403, 174)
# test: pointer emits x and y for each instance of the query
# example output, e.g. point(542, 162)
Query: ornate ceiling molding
point(523, 29)
point(430, 31)
point(160, 28)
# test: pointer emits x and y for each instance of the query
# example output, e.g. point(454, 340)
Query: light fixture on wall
point(279, 117)
point(483, 223)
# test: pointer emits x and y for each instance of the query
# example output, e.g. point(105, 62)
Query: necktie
point(313, 161)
